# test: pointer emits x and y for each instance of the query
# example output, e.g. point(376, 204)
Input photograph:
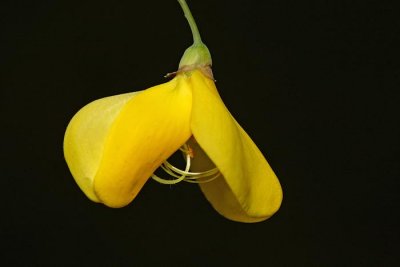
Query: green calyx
point(197, 55)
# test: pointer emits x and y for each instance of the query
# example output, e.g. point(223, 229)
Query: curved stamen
point(174, 181)
point(186, 175)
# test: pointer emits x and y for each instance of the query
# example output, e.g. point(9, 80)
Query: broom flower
point(114, 145)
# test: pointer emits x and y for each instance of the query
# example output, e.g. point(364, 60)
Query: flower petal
point(85, 136)
point(249, 191)
point(150, 127)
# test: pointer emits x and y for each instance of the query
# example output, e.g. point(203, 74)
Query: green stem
point(191, 21)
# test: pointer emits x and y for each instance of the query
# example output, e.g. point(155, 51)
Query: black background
point(313, 83)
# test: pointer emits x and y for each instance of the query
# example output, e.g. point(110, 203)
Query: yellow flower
point(114, 145)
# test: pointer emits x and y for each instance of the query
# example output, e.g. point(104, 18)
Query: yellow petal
point(85, 136)
point(249, 191)
point(150, 127)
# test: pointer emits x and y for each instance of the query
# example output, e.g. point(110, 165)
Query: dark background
point(313, 83)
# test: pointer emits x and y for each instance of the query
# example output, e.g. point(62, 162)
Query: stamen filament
point(202, 181)
point(175, 181)
point(186, 175)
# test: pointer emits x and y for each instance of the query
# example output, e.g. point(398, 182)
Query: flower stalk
point(191, 21)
